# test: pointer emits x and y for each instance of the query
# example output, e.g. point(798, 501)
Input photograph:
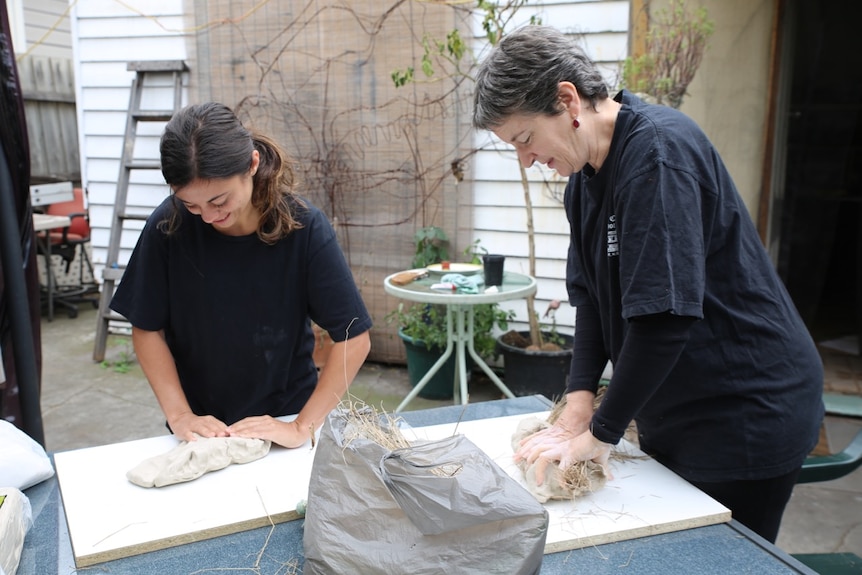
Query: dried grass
point(364, 422)
point(581, 477)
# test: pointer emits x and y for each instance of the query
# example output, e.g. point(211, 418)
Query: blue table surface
point(715, 549)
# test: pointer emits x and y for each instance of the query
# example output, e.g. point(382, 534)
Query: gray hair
point(521, 75)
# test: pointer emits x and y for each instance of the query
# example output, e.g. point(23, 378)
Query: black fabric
point(651, 349)
point(589, 357)
point(22, 382)
point(236, 311)
point(661, 229)
point(757, 504)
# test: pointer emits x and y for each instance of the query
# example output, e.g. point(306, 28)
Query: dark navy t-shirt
point(661, 228)
point(236, 310)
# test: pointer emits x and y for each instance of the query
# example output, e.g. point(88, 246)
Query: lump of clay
point(191, 459)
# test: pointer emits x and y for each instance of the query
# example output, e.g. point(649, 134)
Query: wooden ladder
point(113, 271)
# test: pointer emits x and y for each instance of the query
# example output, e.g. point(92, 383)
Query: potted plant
point(452, 54)
point(542, 368)
point(423, 329)
point(675, 44)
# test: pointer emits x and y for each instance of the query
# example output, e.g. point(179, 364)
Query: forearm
point(341, 368)
point(160, 370)
point(651, 349)
point(588, 352)
point(578, 412)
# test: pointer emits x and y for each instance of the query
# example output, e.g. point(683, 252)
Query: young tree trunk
point(535, 332)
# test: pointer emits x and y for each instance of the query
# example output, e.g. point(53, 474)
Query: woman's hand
point(574, 420)
point(287, 434)
point(568, 440)
point(541, 441)
point(542, 450)
point(189, 426)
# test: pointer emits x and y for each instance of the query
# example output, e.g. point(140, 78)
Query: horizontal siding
point(572, 17)
point(546, 221)
point(499, 218)
point(515, 244)
point(123, 27)
point(496, 193)
point(113, 9)
point(47, 28)
point(107, 36)
point(128, 49)
point(104, 75)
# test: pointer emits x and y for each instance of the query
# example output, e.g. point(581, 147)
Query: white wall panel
point(152, 47)
point(125, 27)
point(602, 30)
point(107, 35)
point(129, 9)
point(103, 123)
point(104, 75)
point(45, 27)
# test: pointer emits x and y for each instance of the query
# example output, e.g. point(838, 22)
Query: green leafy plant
point(426, 323)
point(675, 43)
point(422, 322)
point(474, 252)
point(123, 364)
point(431, 242)
point(451, 57)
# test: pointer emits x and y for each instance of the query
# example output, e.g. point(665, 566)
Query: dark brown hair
point(207, 141)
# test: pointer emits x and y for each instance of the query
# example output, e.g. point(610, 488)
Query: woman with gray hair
point(670, 281)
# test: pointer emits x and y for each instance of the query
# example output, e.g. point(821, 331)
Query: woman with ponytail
point(227, 276)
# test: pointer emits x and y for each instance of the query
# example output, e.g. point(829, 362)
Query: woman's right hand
point(188, 426)
point(573, 421)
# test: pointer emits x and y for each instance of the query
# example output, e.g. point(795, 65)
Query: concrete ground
point(86, 404)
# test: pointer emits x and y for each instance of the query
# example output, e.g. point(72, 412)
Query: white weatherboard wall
point(499, 217)
point(40, 28)
point(106, 36)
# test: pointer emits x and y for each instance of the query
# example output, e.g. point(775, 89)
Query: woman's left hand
point(287, 434)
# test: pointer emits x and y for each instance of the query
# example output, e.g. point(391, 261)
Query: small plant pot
point(529, 372)
point(420, 360)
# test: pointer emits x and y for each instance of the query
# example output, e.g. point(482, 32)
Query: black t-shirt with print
point(659, 229)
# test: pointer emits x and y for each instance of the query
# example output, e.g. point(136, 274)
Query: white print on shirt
point(613, 241)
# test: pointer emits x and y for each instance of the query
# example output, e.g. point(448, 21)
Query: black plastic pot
point(531, 372)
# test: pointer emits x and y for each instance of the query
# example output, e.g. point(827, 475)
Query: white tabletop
point(514, 286)
point(43, 222)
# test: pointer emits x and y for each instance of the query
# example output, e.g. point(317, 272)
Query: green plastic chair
point(828, 467)
point(832, 563)
point(825, 468)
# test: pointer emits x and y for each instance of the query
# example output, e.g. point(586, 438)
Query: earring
point(576, 123)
